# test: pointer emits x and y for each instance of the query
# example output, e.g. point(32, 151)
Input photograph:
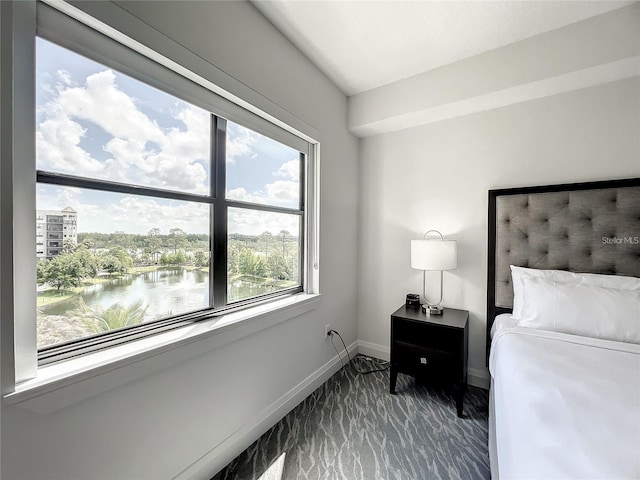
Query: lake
point(166, 292)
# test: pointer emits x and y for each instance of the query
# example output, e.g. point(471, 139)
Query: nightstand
point(432, 348)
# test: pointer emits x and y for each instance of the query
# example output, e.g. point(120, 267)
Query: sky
point(95, 122)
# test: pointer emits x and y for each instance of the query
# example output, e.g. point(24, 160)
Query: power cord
point(384, 365)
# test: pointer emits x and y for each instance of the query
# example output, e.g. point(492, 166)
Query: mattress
point(563, 406)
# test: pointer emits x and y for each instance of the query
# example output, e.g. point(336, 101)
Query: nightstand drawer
point(427, 335)
point(418, 359)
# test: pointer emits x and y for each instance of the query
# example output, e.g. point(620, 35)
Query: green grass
point(48, 297)
point(263, 281)
point(52, 295)
point(153, 268)
point(148, 268)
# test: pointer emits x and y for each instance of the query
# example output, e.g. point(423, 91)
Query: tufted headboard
point(589, 227)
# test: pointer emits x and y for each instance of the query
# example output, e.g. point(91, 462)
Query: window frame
point(54, 23)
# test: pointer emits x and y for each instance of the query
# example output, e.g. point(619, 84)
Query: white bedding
point(566, 407)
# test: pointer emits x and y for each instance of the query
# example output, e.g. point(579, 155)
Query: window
point(156, 207)
point(264, 214)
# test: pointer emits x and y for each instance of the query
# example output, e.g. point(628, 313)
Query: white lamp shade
point(434, 254)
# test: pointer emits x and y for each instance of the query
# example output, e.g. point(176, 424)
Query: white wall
point(156, 427)
point(437, 176)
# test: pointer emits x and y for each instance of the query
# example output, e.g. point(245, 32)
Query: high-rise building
point(53, 228)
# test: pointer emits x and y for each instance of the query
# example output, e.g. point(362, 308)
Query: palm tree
point(100, 319)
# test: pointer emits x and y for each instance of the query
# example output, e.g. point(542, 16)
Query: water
point(165, 292)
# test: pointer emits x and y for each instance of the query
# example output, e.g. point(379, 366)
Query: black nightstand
point(431, 348)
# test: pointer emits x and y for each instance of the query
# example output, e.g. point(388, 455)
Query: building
point(53, 228)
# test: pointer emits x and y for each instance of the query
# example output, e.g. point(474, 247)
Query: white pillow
point(580, 308)
point(608, 281)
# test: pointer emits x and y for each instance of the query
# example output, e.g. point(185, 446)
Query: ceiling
point(364, 44)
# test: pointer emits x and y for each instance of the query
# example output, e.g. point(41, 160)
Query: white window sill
point(62, 384)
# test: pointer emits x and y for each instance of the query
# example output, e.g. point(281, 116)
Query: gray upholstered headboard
point(582, 227)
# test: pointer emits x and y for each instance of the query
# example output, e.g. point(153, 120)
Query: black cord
point(334, 347)
point(355, 367)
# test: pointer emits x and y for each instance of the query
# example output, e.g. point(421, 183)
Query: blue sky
point(94, 121)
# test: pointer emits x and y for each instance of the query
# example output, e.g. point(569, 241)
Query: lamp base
point(432, 309)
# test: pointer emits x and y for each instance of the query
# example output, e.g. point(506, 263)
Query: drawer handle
point(423, 360)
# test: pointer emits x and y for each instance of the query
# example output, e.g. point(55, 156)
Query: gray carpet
point(351, 428)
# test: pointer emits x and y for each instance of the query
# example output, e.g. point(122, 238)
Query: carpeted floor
point(351, 428)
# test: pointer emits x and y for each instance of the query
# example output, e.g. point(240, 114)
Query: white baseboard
point(232, 446)
point(476, 377)
point(374, 350)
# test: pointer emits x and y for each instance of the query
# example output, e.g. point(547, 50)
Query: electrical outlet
point(327, 328)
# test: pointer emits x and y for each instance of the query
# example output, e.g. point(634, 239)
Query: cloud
point(101, 102)
point(242, 195)
point(141, 152)
point(56, 198)
point(148, 213)
point(240, 142)
point(64, 77)
point(247, 222)
point(57, 145)
point(290, 169)
point(283, 191)
point(194, 141)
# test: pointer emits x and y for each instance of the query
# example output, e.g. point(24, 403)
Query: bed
point(563, 331)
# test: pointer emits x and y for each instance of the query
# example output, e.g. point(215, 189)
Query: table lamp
point(433, 254)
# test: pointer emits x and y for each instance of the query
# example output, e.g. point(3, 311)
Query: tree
point(154, 242)
point(112, 264)
point(200, 259)
point(89, 262)
point(259, 266)
point(266, 238)
point(277, 267)
point(251, 264)
point(115, 316)
point(68, 246)
point(179, 258)
point(245, 261)
point(233, 259)
point(41, 271)
point(88, 243)
point(147, 255)
point(122, 240)
point(117, 260)
point(284, 236)
point(63, 271)
point(177, 238)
